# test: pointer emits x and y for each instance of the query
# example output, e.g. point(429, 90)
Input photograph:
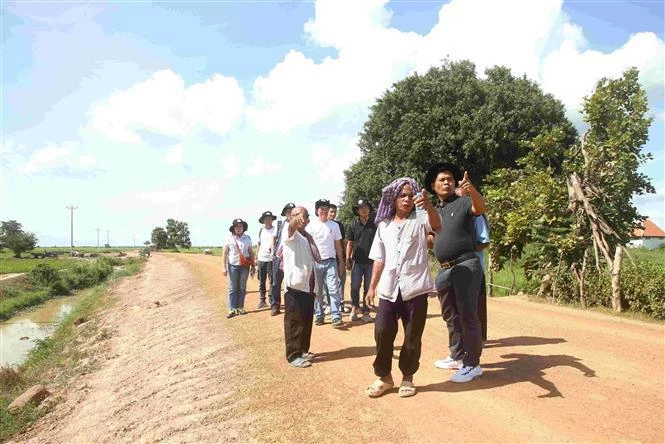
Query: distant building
point(648, 236)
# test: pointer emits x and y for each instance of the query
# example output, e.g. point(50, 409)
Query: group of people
point(387, 254)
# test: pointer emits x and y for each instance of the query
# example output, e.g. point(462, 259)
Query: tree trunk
point(616, 279)
point(583, 277)
point(490, 275)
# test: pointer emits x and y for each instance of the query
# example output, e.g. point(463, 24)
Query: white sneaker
point(466, 374)
point(448, 363)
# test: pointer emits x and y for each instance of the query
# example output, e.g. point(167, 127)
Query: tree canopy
point(450, 114)
point(14, 238)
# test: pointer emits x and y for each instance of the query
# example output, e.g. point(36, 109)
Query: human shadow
point(517, 368)
point(344, 353)
point(521, 341)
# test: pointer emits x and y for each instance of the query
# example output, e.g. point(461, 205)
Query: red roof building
point(648, 235)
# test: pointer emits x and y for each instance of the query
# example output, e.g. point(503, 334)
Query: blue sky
point(136, 112)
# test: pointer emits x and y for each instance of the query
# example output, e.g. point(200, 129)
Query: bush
point(43, 275)
point(642, 284)
point(644, 288)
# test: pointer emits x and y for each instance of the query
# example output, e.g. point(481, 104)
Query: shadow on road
point(350, 352)
point(517, 368)
point(515, 341)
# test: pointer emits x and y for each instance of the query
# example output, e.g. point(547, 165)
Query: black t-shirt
point(457, 230)
point(362, 237)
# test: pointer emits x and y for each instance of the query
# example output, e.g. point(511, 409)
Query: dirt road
point(177, 370)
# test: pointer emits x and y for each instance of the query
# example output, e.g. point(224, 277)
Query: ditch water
point(18, 334)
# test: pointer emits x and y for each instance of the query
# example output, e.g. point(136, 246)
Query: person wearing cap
point(332, 215)
point(300, 256)
point(277, 271)
point(402, 280)
point(327, 237)
point(358, 244)
point(265, 255)
point(237, 249)
point(459, 278)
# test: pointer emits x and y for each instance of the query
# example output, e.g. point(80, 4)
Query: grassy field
point(9, 264)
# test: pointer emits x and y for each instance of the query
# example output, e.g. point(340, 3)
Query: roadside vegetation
point(45, 281)
point(58, 358)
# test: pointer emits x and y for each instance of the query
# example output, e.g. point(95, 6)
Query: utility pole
point(98, 230)
point(71, 229)
point(107, 238)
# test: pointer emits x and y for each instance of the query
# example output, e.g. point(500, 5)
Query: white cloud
point(174, 155)
point(163, 104)
point(260, 167)
point(533, 38)
point(331, 167)
point(87, 161)
point(48, 157)
point(570, 74)
point(230, 165)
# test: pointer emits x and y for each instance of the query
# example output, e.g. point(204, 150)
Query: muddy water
point(18, 334)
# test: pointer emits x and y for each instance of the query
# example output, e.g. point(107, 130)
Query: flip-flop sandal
point(378, 388)
point(406, 389)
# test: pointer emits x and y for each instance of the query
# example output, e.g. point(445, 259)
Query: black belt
point(461, 258)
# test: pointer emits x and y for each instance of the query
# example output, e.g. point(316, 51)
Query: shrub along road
point(175, 369)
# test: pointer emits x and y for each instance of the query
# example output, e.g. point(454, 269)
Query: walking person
point(265, 255)
point(332, 215)
point(300, 256)
point(359, 242)
point(402, 280)
point(459, 279)
point(238, 263)
point(277, 266)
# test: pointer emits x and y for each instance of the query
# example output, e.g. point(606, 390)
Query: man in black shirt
point(460, 276)
point(361, 235)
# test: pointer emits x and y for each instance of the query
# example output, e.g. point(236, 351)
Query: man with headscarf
point(402, 279)
point(360, 238)
point(459, 279)
point(300, 256)
point(277, 271)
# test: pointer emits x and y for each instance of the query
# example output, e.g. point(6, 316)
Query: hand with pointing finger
point(465, 186)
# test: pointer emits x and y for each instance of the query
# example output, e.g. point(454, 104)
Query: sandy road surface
point(179, 371)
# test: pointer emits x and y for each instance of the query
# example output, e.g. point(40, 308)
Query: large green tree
point(14, 238)
point(158, 238)
point(450, 114)
point(177, 234)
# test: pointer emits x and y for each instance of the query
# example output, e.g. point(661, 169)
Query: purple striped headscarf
point(386, 208)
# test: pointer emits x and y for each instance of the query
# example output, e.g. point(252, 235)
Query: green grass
point(54, 360)
point(11, 265)
point(503, 278)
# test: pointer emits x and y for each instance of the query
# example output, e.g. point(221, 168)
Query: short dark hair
point(332, 205)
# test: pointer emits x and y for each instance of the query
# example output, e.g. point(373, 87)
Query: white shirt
point(325, 235)
point(245, 244)
point(298, 262)
point(265, 244)
point(403, 250)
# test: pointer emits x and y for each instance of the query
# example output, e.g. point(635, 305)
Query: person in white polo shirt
point(328, 239)
point(402, 280)
point(264, 255)
point(300, 256)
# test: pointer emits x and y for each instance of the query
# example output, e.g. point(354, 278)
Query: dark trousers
point(298, 318)
point(414, 314)
point(458, 289)
point(265, 274)
point(482, 307)
point(276, 283)
point(360, 274)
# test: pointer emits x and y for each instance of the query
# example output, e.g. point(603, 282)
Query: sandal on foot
point(406, 389)
point(378, 388)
